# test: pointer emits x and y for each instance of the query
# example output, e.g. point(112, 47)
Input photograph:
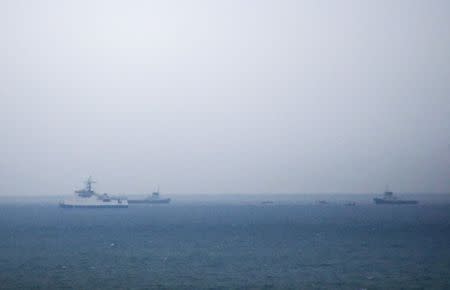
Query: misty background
point(224, 96)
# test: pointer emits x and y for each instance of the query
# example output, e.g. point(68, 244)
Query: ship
point(389, 198)
point(154, 198)
point(88, 198)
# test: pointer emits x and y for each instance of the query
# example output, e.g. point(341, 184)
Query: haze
point(224, 96)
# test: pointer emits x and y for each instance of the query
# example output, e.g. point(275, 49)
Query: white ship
point(88, 198)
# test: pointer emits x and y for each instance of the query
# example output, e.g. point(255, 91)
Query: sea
point(228, 242)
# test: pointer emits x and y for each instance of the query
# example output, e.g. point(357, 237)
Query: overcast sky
point(224, 96)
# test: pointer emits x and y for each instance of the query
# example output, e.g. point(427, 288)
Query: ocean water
point(226, 244)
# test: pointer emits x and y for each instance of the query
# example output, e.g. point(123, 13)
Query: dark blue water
point(225, 246)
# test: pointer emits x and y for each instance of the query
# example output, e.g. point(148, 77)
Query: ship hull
point(149, 201)
point(93, 203)
point(394, 202)
point(63, 205)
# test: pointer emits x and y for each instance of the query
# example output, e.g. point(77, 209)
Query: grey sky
point(224, 96)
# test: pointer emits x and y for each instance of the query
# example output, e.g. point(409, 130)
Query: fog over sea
point(208, 98)
point(227, 242)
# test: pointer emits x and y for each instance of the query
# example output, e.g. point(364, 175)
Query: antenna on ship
point(155, 194)
point(388, 193)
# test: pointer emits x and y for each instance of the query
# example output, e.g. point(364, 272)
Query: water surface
point(223, 246)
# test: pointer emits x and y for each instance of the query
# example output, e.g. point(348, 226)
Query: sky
point(224, 96)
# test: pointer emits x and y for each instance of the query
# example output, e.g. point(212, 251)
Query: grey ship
point(154, 198)
point(389, 198)
point(88, 198)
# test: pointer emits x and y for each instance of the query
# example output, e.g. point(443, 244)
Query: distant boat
point(350, 203)
point(151, 199)
point(88, 198)
point(266, 202)
point(389, 198)
point(322, 202)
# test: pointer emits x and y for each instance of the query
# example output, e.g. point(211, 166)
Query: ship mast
point(87, 191)
point(89, 183)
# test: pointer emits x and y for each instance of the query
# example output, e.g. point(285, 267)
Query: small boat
point(350, 203)
point(266, 202)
